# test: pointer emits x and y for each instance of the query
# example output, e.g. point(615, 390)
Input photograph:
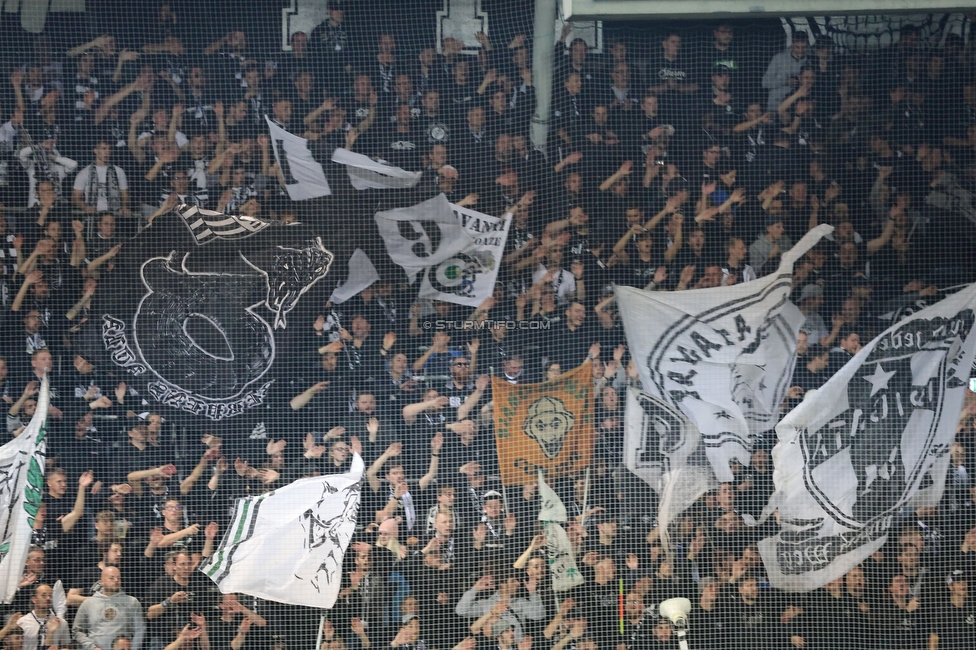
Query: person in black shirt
point(174, 599)
point(954, 622)
point(224, 629)
point(572, 342)
point(672, 79)
point(901, 625)
point(61, 519)
point(401, 142)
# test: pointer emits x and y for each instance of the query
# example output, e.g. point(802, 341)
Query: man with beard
point(753, 621)
point(94, 627)
point(43, 628)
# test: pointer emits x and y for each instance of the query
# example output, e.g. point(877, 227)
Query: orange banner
point(545, 426)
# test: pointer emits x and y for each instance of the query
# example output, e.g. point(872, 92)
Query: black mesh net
point(253, 242)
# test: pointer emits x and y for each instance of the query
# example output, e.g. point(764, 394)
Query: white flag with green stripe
point(287, 545)
point(21, 490)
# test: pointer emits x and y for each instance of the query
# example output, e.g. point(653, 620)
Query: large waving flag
point(720, 359)
point(872, 440)
point(287, 545)
point(457, 251)
point(21, 490)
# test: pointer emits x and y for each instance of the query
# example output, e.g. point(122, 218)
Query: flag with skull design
point(546, 426)
point(202, 304)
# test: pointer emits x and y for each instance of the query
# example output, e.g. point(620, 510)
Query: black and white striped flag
point(207, 225)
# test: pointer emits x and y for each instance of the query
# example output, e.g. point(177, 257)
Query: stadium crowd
point(692, 165)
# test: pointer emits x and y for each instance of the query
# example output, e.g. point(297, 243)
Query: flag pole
point(586, 496)
point(620, 605)
point(318, 637)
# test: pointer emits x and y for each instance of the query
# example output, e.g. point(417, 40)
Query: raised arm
point(69, 520)
point(435, 456)
point(471, 401)
point(186, 485)
point(372, 474)
point(625, 169)
point(411, 411)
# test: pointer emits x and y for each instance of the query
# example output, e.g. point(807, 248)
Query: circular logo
point(110, 613)
point(450, 273)
point(436, 133)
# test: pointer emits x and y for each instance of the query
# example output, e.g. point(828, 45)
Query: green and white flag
point(21, 490)
point(562, 560)
point(287, 545)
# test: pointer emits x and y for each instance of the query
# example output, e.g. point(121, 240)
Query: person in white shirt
point(43, 628)
point(44, 162)
point(101, 186)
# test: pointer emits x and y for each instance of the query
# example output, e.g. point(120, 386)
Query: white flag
point(873, 439)
point(468, 278)
point(457, 251)
point(421, 235)
point(21, 491)
point(724, 356)
point(362, 274)
point(562, 560)
point(366, 173)
point(302, 174)
point(663, 448)
point(287, 545)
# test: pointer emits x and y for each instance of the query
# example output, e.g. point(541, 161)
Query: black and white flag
point(21, 494)
point(301, 174)
point(287, 545)
point(366, 173)
point(562, 560)
point(724, 357)
point(456, 251)
point(874, 439)
point(663, 448)
point(196, 319)
point(362, 274)
point(207, 225)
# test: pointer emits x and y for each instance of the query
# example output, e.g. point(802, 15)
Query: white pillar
point(543, 42)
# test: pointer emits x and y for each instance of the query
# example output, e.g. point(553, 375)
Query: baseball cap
point(499, 626)
point(810, 291)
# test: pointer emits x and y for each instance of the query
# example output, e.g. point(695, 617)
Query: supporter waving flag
point(873, 439)
point(722, 358)
point(287, 545)
point(301, 174)
point(562, 562)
